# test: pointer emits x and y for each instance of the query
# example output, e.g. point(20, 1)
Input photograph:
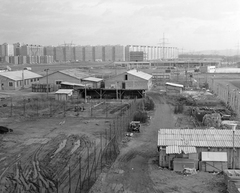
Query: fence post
point(11, 107)
point(96, 161)
point(88, 169)
point(64, 108)
point(24, 108)
point(101, 151)
point(57, 184)
point(37, 107)
point(80, 174)
point(106, 152)
point(106, 107)
point(70, 188)
point(110, 140)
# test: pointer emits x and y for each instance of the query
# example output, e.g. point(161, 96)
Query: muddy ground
point(136, 169)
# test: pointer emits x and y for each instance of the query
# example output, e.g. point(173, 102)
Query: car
point(134, 126)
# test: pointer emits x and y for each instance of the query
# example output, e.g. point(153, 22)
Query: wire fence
point(49, 107)
point(82, 170)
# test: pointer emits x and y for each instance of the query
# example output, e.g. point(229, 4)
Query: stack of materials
point(232, 180)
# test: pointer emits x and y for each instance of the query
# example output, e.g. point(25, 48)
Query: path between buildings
point(130, 172)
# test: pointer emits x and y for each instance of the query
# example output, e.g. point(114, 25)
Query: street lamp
point(46, 70)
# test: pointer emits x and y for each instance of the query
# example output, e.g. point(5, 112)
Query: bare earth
point(136, 169)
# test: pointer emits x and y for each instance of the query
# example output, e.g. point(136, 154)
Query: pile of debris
point(211, 117)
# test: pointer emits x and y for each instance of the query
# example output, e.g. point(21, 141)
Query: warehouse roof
point(174, 84)
point(198, 137)
point(140, 74)
point(92, 79)
point(20, 74)
point(76, 73)
point(180, 149)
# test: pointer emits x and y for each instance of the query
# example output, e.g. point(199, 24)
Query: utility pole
point(46, 70)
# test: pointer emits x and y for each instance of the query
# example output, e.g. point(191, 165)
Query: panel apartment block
point(48, 51)
point(68, 53)
point(108, 53)
point(88, 53)
point(59, 54)
point(78, 53)
point(98, 50)
point(7, 50)
point(31, 50)
point(136, 56)
point(17, 47)
point(119, 53)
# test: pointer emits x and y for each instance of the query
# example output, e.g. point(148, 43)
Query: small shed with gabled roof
point(63, 94)
point(173, 88)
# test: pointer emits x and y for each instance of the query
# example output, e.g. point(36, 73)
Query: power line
point(163, 42)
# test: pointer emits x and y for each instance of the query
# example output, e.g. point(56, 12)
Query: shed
point(213, 161)
point(173, 88)
point(93, 82)
point(63, 94)
point(204, 140)
point(179, 157)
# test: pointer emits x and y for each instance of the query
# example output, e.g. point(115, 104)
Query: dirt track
point(136, 168)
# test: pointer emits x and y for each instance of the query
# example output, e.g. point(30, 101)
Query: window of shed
point(58, 81)
point(126, 76)
point(10, 83)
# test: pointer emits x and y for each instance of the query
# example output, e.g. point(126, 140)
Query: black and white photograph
point(110, 96)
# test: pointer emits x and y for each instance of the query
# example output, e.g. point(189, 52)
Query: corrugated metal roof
point(19, 74)
point(140, 74)
point(180, 149)
point(92, 79)
point(76, 73)
point(214, 156)
point(64, 91)
point(198, 137)
point(174, 84)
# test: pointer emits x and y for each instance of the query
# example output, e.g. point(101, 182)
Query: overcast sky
point(189, 24)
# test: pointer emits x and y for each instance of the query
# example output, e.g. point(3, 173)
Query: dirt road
point(130, 171)
point(136, 169)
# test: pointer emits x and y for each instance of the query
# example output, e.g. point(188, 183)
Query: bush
point(140, 116)
point(178, 108)
point(149, 104)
